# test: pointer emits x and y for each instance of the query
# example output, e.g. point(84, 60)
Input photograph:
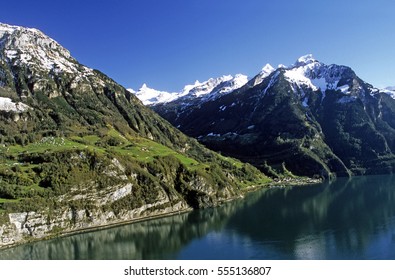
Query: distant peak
point(265, 72)
point(267, 69)
point(304, 60)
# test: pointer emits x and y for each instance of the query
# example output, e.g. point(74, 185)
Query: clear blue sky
point(168, 44)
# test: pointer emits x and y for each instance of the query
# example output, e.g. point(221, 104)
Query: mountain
point(265, 72)
point(78, 150)
point(151, 96)
point(208, 90)
point(314, 119)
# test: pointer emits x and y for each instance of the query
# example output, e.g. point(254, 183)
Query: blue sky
point(168, 44)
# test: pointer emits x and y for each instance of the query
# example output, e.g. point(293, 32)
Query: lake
point(344, 219)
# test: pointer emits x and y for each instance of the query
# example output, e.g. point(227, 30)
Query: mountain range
point(78, 150)
point(208, 90)
point(315, 119)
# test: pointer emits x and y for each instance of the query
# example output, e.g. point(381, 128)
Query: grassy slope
point(25, 178)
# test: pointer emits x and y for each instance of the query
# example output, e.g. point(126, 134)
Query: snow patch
point(298, 77)
point(7, 105)
point(308, 72)
point(346, 99)
point(271, 82)
point(345, 89)
point(11, 54)
point(212, 134)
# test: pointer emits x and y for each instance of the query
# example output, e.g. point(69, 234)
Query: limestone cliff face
point(27, 226)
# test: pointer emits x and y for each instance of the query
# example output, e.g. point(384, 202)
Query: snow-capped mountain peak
point(267, 69)
point(303, 71)
point(309, 72)
point(225, 83)
point(31, 47)
point(151, 96)
point(210, 89)
point(305, 60)
point(306, 73)
point(265, 72)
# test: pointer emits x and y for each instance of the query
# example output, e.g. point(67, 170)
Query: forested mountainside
point(79, 150)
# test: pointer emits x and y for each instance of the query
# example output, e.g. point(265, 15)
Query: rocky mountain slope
point(77, 150)
point(317, 119)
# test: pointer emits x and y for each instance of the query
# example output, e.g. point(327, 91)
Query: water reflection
point(345, 219)
point(338, 220)
point(154, 239)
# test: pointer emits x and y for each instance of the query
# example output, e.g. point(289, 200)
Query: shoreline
point(287, 182)
point(66, 233)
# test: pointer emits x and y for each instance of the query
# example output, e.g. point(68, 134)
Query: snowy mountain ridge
point(210, 89)
point(306, 72)
point(309, 73)
point(151, 96)
point(318, 119)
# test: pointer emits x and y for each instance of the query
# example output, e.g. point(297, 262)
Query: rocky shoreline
point(33, 226)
